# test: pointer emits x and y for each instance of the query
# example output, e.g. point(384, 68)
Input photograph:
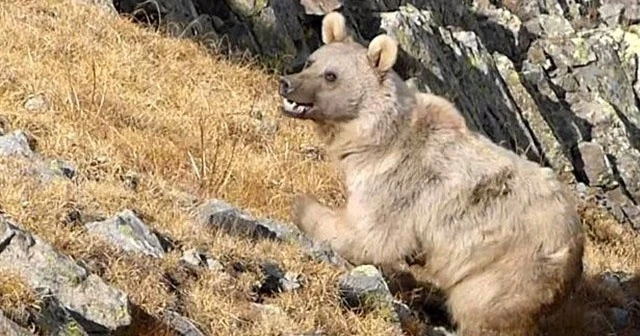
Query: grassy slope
point(125, 99)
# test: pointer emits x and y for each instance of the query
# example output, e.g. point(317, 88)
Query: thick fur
point(497, 233)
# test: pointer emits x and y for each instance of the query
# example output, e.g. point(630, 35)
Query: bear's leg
point(323, 224)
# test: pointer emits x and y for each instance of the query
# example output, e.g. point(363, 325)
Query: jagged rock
point(182, 325)
point(596, 165)
point(55, 320)
point(458, 66)
point(10, 328)
point(128, 232)
point(95, 305)
point(586, 96)
point(223, 216)
point(614, 12)
point(611, 12)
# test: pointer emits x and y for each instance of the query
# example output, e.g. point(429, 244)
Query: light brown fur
point(497, 233)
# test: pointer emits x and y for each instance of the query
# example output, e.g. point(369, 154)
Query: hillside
point(117, 117)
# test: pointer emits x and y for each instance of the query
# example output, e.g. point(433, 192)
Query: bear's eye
point(330, 76)
point(308, 63)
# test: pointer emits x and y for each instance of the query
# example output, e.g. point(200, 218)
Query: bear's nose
point(285, 86)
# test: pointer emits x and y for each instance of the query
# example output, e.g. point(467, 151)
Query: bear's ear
point(334, 28)
point(383, 52)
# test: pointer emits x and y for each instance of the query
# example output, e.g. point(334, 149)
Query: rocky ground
point(146, 179)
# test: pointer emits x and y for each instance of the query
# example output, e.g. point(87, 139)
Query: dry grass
point(122, 100)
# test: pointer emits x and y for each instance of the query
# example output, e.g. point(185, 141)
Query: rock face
point(100, 307)
point(554, 80)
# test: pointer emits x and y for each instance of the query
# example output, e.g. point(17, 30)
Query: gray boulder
point(100, 307)
point(128, 232)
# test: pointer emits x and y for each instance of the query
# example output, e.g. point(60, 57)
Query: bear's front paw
point(302, 203)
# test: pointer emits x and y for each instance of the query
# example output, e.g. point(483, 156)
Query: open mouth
point(296, 109)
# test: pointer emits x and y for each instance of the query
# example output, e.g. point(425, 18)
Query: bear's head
point(338, 76)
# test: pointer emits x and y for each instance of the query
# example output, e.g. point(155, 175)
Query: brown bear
point(499, 234)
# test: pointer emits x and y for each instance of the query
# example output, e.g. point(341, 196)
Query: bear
point(498, 234)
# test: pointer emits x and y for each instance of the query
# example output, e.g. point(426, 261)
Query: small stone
point(615, 280)
point(128, 232)
point(619, 317)
point(131, 180)
point(36, 103)
point(197, 257)
point(276, 280)
point(62, 168)
point(15, 143)
point(361, 284)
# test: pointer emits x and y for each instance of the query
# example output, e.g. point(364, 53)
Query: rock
point(579, 102)
point(15, 144)
point(619, 317)
point(550, 26)
point(450, 63)
point(97, 306)
point(197, 257)
point(129, 233)
point(615, 12)
point(550, 148)
point(596, 165)
point(320, 7)
point(105, 5)
point(10, 328)
point(55, 320)
point(267, 309)
point(364, 287)
point(182, 325)
point(611, 13)
point(36, 103)
point(223, 216)
point(276, 280)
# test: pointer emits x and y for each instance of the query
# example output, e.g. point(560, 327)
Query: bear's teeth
point(300, 109)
